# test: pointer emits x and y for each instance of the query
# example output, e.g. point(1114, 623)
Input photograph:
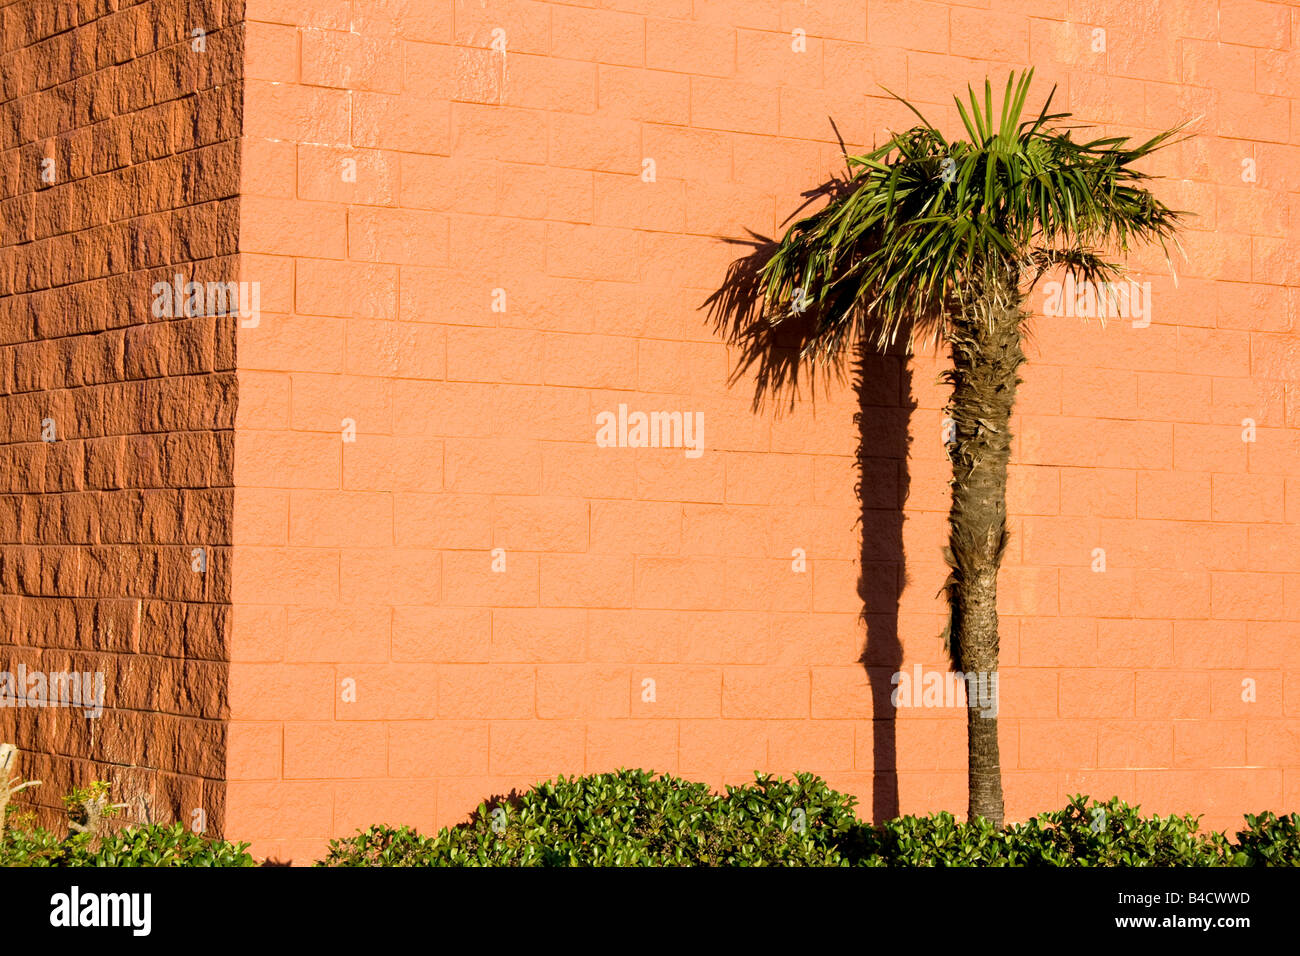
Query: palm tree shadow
point(884, 388)
point(882, 382)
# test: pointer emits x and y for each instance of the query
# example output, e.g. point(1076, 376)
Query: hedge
point(635, 818)
point(638, 818)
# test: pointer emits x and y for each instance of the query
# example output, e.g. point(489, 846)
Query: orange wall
point(477, 171)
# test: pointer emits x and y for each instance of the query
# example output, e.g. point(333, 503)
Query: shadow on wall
point(882, 382)
point(885, 404)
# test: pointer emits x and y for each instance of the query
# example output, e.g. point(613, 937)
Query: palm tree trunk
point(986, 355)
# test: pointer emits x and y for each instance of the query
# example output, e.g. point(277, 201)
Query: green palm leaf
point(889, 256)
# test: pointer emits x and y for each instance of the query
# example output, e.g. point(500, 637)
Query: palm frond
point(921, 221)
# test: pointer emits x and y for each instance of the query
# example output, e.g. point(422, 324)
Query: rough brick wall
point(136, 133)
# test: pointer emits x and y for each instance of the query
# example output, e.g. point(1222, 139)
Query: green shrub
point(91, 841)
point(1111, 834)
point(1268, 840)
point(802, 822)
point(381, 846)
point(634, 818)
point(154, 845)
point(631, 818)
point(1082, 834)
point(937, 840)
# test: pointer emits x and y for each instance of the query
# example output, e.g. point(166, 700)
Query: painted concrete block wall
point(448, 204)
point(118, 169)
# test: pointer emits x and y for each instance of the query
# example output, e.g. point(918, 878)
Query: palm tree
point(934, 241)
